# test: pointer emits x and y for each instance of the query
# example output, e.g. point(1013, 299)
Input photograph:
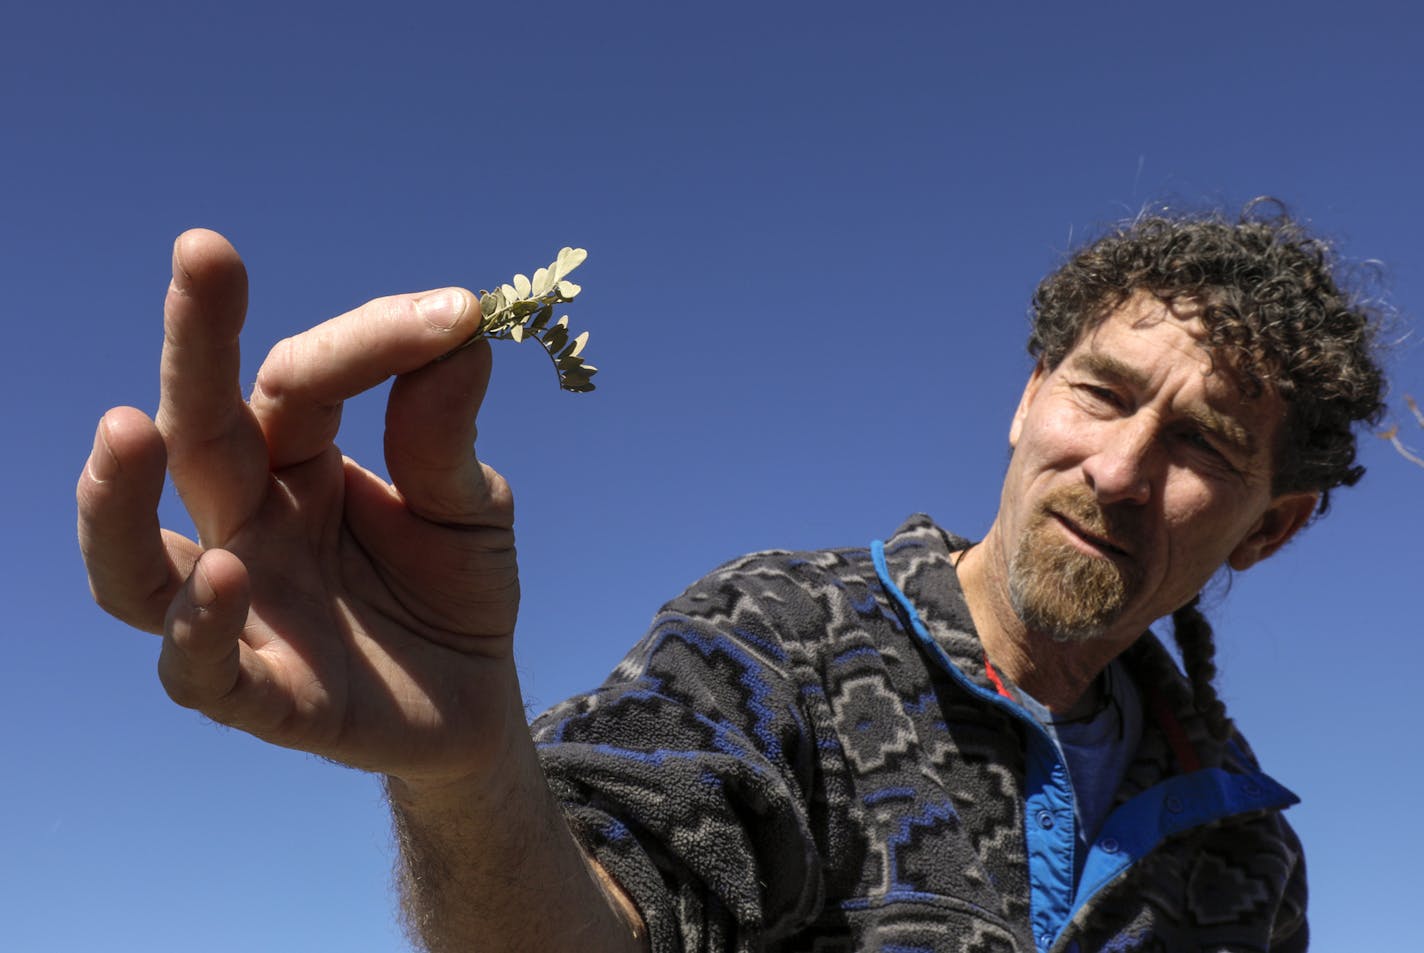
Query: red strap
point(998, 683)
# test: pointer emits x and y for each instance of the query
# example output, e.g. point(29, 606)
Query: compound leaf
point(522, 308)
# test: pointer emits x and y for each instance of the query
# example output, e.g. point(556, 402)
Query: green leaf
point(568, 260)
point(489, 302)
point(522, 308)
point(555, 338)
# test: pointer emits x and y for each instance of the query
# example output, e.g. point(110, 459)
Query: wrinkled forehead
point(1225, 362)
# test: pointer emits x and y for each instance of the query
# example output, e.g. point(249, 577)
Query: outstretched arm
point(325, 609)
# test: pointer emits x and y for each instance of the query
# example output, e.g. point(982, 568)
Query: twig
point(1392, 434)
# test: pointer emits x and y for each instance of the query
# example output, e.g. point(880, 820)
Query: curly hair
point(1272, 308)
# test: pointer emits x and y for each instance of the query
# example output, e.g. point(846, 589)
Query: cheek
point(1055, 437)
point(1187, 505)
point(1202, 520)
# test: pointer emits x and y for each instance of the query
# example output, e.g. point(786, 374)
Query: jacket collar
point(918, 559)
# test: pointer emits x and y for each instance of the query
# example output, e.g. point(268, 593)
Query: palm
point(355, 650)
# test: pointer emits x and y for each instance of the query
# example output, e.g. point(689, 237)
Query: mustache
point(1077, 504)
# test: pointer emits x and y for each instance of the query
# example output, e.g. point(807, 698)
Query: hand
point(321, 608)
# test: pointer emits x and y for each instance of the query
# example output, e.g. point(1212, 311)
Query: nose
point(1122, 469)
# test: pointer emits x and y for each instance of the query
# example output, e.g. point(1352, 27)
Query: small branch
point(521, 309)
point(1404, 452)
point(1392, 435)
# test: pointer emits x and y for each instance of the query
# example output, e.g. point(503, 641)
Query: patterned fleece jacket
point(806, 754)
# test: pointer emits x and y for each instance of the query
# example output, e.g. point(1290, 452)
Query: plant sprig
point(524, 308)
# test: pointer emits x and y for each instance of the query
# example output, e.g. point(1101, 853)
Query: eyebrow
point(1225, 428)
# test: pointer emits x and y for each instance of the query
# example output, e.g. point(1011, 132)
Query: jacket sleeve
point(1290, 933)
point(688, 774)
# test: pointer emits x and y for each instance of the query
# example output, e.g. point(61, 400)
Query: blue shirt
point(1097, 750)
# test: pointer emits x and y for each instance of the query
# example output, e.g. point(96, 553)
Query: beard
point(1055, 588)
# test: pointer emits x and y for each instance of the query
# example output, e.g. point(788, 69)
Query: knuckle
point(120, 603)
point(189, 683)
point(501, 495)
point(181, 689)
point(274, 377)
point(393, 309)
point(106, 600)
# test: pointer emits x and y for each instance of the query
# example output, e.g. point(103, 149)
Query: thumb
point(430, 437)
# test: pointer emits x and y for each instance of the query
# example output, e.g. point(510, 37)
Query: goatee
point(1057, 589)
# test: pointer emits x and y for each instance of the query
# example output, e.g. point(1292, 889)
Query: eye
point(1202, 444)
point(1200, 441)
point(1105, 396)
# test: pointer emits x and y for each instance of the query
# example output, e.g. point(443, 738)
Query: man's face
point(1138, 470)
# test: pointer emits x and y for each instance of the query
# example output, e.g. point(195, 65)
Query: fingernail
point(181, 278)
point(102, 462)
point(441, 309)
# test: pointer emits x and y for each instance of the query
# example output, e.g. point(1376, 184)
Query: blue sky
point(813, 230)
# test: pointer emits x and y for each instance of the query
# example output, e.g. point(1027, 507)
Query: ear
point(1030, 389)
point(1285, 517)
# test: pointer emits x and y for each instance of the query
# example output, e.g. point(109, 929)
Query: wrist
point(489, 765)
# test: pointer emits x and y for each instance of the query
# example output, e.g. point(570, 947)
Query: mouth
point(1102, 544)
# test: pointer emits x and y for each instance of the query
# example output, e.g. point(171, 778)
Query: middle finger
point(215, 451)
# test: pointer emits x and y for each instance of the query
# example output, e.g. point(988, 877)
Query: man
point(924, 745)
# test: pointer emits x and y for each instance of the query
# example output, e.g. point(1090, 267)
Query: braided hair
point(1193, 635)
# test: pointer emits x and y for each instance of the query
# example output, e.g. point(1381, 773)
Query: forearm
point(493, 867)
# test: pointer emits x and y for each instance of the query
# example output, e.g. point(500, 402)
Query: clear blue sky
point(813, 230)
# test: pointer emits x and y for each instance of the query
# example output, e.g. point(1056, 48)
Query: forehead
point(1156, 338)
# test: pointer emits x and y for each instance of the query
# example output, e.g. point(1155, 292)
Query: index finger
point(304, 380)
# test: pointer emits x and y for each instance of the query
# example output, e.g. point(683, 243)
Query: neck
point(1059, 675)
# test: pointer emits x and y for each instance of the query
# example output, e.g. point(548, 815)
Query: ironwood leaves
point(524, 308)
